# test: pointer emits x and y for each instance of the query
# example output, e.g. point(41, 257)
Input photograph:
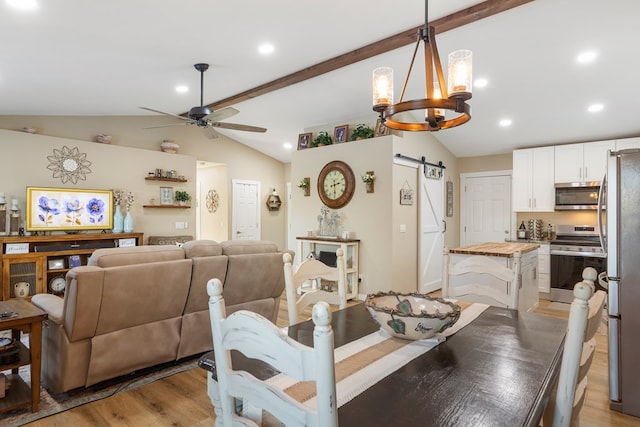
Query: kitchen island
point(503, 254)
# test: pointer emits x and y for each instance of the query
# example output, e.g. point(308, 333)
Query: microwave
point(577, 196)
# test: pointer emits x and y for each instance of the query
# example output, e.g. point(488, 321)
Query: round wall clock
point(336, 184)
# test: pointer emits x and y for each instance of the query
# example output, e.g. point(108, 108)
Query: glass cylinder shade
point(460, 74)
point(382, 86)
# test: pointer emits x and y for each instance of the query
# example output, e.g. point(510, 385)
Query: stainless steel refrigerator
point(623, 273)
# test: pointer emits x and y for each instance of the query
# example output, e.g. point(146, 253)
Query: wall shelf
point(166, 206)
point(155, 178)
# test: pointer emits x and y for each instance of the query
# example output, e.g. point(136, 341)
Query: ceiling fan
point(203, 117)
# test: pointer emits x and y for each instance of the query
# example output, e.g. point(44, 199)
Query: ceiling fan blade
point(166, 114)
point(236, 126)
point(211, 133)
point(223, 113)
point(166, 126)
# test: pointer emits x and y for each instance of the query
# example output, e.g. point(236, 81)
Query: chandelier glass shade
point(441, 99)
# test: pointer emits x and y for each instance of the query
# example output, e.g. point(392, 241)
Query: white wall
point(241, 161)
point(112, 167)
point(388, 258)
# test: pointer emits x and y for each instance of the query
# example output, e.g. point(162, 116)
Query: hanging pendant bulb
point(460, 72)
point(382, 85)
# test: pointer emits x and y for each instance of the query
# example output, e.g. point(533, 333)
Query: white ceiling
point(88, 57)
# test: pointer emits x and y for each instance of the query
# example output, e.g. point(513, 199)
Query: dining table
point(498, 370)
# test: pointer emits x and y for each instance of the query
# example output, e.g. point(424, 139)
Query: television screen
point(68, 209)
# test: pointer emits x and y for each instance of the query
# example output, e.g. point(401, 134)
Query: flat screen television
point(68, 209)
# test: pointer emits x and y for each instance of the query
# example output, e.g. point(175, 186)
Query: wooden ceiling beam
point(446, 23)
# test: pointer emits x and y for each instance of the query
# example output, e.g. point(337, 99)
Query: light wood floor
point(181, 400)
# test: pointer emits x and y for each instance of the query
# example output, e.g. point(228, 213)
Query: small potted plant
point(304, 184)
point(323, 138)
point(368, 178)
point(362, 131)
point(182, 197)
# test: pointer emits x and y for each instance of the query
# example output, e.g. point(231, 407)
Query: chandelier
point(439, 98)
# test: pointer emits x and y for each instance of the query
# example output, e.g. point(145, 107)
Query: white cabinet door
point(595, 159)
point(582, 162)
point(533, 189)
point(522, 177)
point(623, 144)
point(543, 190)
point(568, 163)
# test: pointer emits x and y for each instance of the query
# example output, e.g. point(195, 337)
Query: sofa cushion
point(113, 257)
point(199, 248)
point(242, 247)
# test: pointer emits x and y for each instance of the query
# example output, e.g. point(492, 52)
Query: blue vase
point(118, 221)
point(128, 223)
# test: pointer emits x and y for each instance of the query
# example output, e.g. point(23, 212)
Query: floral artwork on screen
point(51, 209)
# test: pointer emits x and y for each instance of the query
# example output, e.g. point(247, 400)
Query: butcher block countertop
point(506, 249)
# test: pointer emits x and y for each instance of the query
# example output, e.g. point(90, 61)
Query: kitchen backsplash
point(555, 218)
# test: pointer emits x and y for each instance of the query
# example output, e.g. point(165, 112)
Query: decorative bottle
point(128, 223)
point(118, 220)
point(522, 231)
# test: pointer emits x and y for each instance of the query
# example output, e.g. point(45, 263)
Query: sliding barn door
point(432, 227)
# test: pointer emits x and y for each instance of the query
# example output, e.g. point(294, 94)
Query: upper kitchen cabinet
point(582, 162)
point(623, 144)
point(533, 189)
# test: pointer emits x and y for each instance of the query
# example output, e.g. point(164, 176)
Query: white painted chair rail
point(579, 349)
point(258, 338)
point(312, 269)
point(480, 264)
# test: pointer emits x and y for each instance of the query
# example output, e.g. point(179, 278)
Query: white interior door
point(432, 227)
point(246, 210)
point(485, 208)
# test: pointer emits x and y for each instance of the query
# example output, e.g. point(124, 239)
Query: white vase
point(118, 221)
point(128, 223)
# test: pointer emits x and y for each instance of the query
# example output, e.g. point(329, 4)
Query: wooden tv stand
point(37, 260)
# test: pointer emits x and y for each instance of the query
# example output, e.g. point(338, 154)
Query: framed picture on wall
point(304, 140)
point(340, 133)
point(166, 196)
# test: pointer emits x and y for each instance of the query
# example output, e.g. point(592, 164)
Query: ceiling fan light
point(460, 73)
point(382, 85)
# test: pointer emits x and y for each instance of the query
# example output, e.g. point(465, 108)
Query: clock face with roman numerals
point(336, 184)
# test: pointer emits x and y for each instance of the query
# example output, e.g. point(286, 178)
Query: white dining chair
point(257, 338)
point(579, 349)
point(483, 279)
point(313, 271)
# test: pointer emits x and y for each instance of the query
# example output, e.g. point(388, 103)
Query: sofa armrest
point(52, 304)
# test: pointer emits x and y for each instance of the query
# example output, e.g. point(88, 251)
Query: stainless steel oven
point(574, 248)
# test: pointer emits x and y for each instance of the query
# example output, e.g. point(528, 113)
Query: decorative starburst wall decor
point(69, 164)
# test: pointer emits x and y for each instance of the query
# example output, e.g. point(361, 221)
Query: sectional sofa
point(132, 308)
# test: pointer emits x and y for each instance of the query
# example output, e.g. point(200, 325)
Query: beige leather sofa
point(132, 308)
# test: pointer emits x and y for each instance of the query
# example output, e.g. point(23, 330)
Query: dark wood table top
point(497, 371)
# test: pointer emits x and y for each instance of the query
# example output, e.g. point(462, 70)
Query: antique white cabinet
point(533, 189)
point(582, 162)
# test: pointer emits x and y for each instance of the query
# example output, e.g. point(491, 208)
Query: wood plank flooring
point(181, 400)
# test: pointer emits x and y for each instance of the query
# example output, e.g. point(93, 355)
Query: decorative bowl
point(103, 138)
point(168, 146)
point(411, 316)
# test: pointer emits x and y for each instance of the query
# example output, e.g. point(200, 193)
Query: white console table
point(350, 247)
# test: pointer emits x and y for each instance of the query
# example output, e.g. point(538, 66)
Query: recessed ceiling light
point(287, 146)
point(505, 123)
point(182, 89)
point(23, 4)
point(586, 57)
point(481, 82)
point(594, 108)
point(266, 49)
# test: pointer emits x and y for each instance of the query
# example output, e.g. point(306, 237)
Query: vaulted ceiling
point(73, 57)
